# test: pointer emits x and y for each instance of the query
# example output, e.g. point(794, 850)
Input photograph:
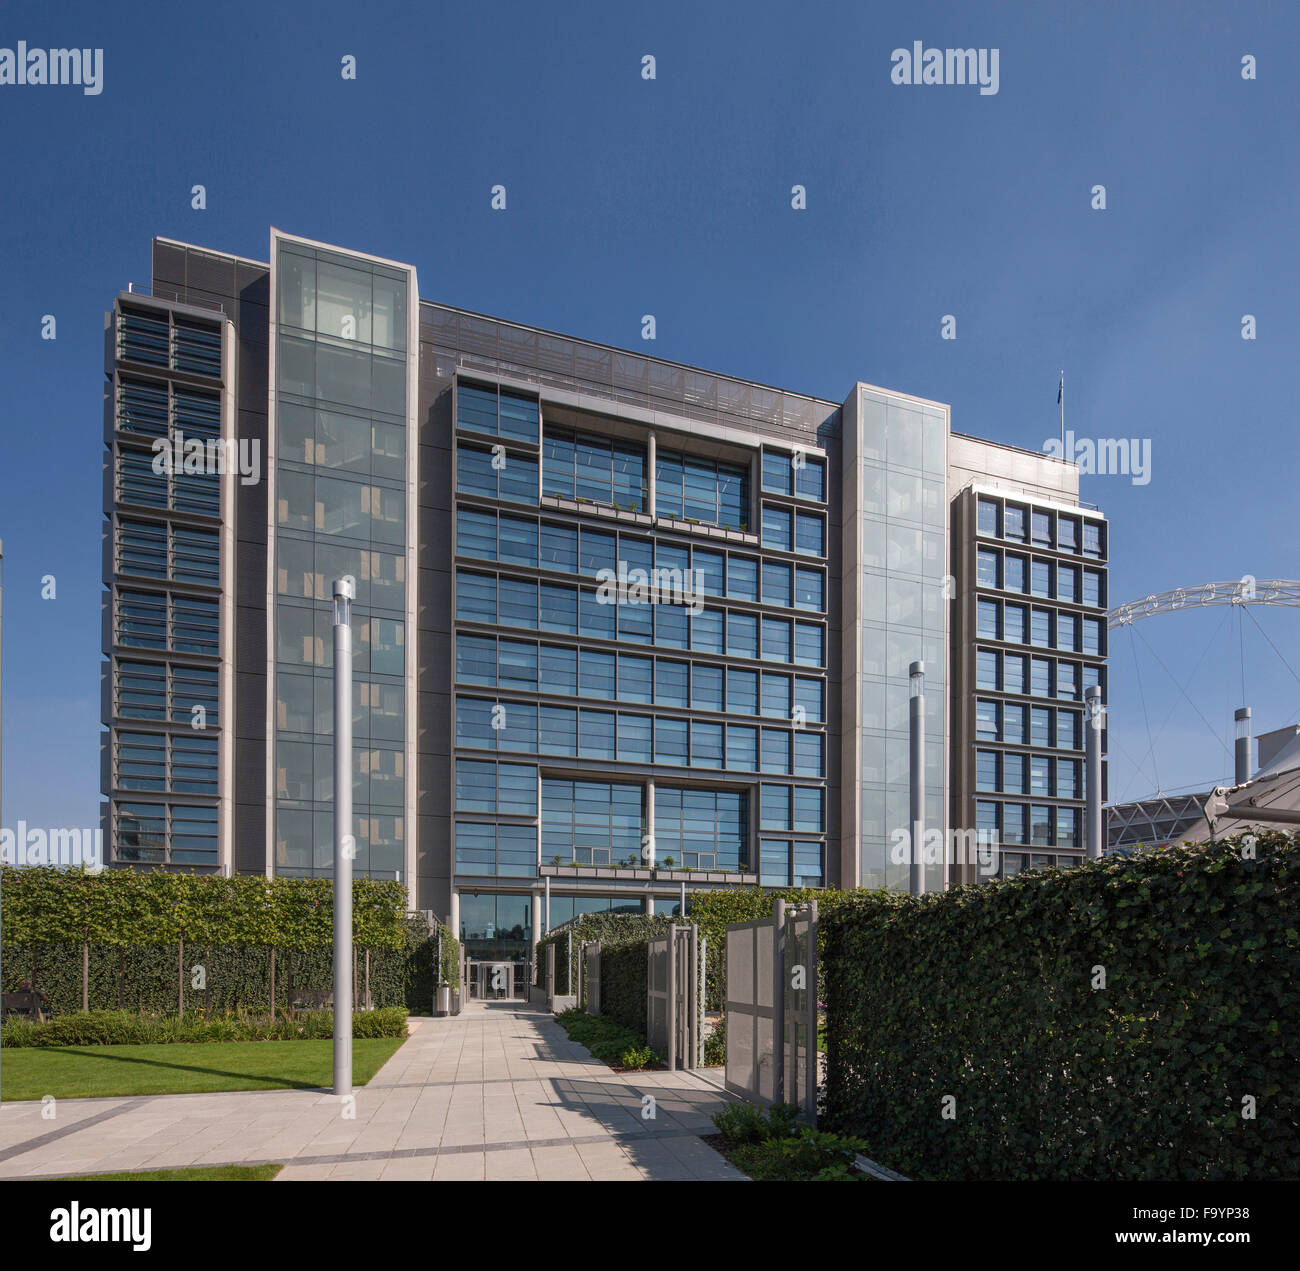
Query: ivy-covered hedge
point(607, 928)
point(142, 940)
point(713, 911)
point(1126, 1019)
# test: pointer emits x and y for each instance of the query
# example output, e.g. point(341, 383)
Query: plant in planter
point(557, 860)
point(668, 862)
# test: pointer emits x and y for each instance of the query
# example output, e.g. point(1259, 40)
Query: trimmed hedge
point(608, 928)
point(121, 1028)
point(1110, 1021)
point(146, 936)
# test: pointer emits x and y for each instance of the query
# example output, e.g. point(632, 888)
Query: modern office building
point(615, 616)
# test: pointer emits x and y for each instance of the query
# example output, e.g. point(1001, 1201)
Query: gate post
point(778, 1003)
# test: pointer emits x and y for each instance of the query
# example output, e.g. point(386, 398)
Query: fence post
point(778, 1003)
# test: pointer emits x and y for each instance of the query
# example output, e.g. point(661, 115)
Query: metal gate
point(771, 1009)
point(672, 996)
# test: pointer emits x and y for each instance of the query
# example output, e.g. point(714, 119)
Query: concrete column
point(1094, 718)
point(453, 918)
point(1242, 746)
point(546, 912)
point(648, 849)
point(916, 734)
point(537, 925)
point(650, 474)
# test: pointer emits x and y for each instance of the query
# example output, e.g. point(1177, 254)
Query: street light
point(345, 847)
point(916, 732)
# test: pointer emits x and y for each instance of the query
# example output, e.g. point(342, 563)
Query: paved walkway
point(498, 1092)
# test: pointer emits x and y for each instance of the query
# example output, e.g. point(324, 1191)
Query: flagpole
point(1060, 397)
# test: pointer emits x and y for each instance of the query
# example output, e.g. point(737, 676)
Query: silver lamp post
point(344, 843)
point(916, 721)
point(1094, 720)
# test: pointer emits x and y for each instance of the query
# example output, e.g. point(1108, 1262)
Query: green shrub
point(608, 1041)
point(122, 1028)
point(775, 1147)
point(994, 994)
point(715, 1044)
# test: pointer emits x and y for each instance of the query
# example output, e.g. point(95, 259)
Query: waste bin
point(442, 1000)
point(455, 1001)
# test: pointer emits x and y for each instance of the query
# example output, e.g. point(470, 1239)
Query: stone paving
point(498, 1092)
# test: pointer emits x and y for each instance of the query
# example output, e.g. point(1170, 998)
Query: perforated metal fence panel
point(750, 1068)
point(659, 986)
point(771, 1009)
point(592, 978)
point(800, 1011)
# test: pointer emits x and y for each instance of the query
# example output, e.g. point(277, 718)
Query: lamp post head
point(345, 592)
point(916, 678)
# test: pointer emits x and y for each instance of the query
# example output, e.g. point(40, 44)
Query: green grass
point(96, 1072)
point(200, 1174)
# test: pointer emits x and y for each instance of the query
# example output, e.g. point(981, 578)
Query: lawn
point(199, 1174)
point(90, 1072)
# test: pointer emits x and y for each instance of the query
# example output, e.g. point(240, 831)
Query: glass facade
point(634, 719)
point(1029, 706)
point(340, 510)
point(903, 553)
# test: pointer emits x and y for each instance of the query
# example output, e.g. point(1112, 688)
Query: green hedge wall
point(147, 936)
point(623, 983)
point(993, 994)
point(608, 928)
point(712, 911)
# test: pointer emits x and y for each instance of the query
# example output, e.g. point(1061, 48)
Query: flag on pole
point(1060, 389)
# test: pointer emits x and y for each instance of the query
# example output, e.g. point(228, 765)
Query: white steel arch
point(1238, 591)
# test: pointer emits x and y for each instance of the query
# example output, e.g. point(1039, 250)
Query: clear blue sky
point(672, 197)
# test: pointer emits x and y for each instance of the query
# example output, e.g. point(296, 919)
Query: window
point(594, 618)
point(476, 660)
point(1092, 539)
point(1041, 578)
point(1013, 523)
point(1067, 730)
point(809, 589)
point(1041, 684)
point(986, 770)
point(986, 669)
point(809, 817)
point(810, 479)
point(808, 695)
point(596, 674)
point(986, 568)
point(742, 747)
point(706, 744)
point(596, 734)
point(774, 863)
point(1013, 822)
point(672, 626)
point(1013, 673)
point(1041, 523)
point(514, 477)
point(1014, 572)
point(1040, 776)
point(1067, 583)
point(706, 688)
point(1067, 533)
point(986, 720)
point(710, 568)
point(635, 678)
point(808, 754)
point(1067, 632)
point(1092, 590)
point(694, 488)
point(987, 619)
point(517, 603)
point(1013, 724)
point(518, 541)
point(742, 692)
point(706, 631)
point(776, 695)
point(776, 750)
point(558, 608)
point(593, 469)
point(557, 669)
point(1013, 773)
point(1014, 618)
point(635, 738)
point(592, 822)
point(742, 635)
point(558, 549)
point(1092, 639)
point(807, 864)
point(809, 534)
point(776, 584)
point(671, 683)
point(502, 414)
point(517, 665)
point(774, 808)
point(778, 472)
point(778, 527)
point(809, 644)
point(776, 640)
point(476, 533)
point(671, 741)
point(142, 690)
point(1041, 628)
point(986, 517)
point(142, 548)
point(1040, 733)
point(705, 829)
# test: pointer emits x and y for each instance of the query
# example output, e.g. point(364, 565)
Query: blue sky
point(672, 197)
